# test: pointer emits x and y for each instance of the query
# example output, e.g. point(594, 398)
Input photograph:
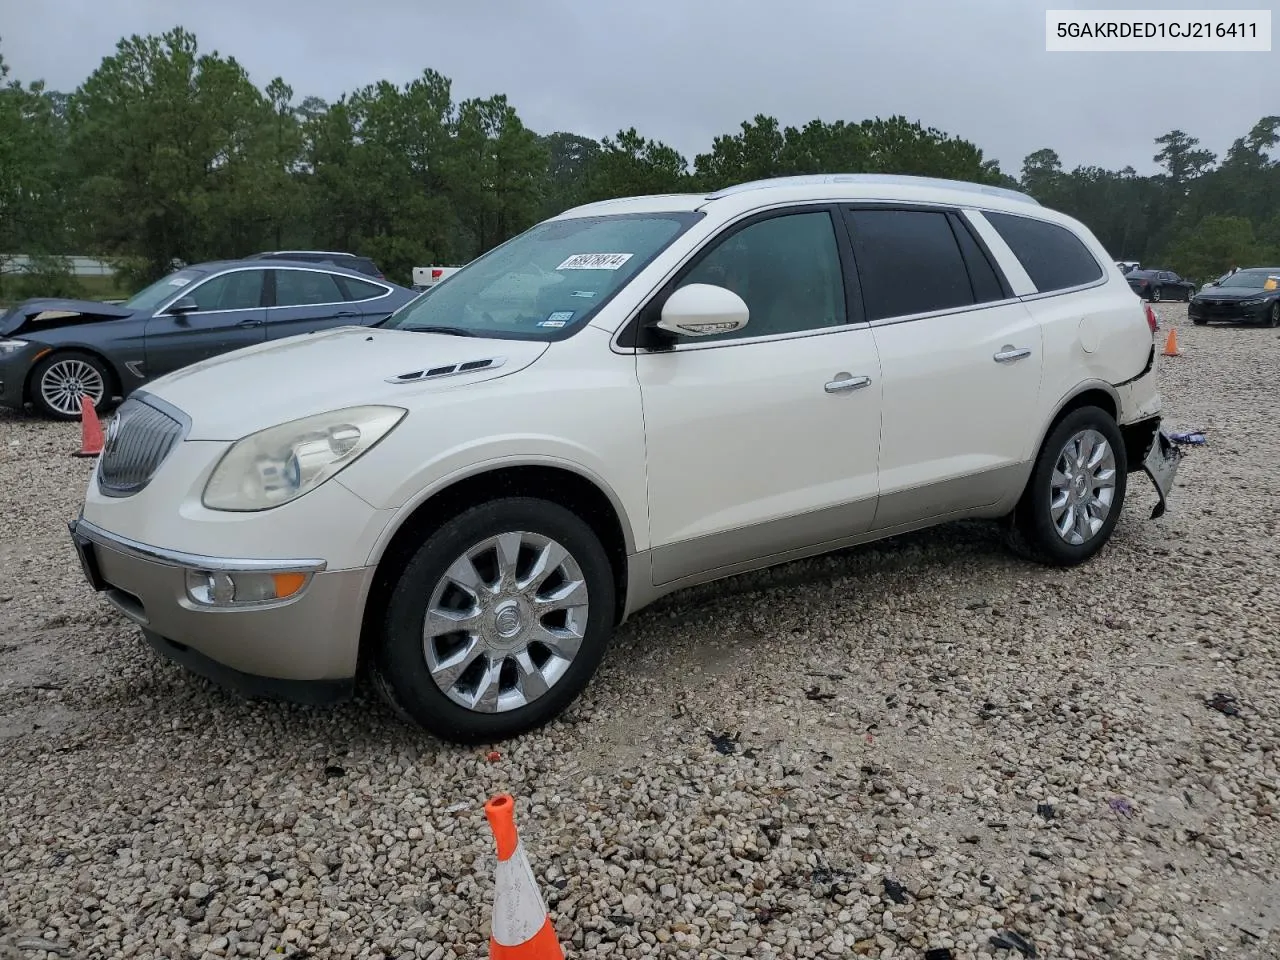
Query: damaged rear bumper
point(1160, 462)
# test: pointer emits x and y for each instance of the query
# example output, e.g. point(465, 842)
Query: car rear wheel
point(61, 379)
point(1273, 315)
point(1157, 295)
point(1076, 492)
point(497, 623)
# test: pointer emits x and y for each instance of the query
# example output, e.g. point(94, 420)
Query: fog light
point(220, 588)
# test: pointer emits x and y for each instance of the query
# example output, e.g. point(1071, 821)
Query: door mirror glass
point(183, 305)
point(703, 310)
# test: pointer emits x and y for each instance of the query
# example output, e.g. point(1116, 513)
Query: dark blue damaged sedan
point(53, 352)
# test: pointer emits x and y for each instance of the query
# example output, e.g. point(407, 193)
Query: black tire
point(1030, 529)
point(59, 360)
point(1157, 295)
point(399, 665)
point(1273, 315)
point(1186, 295)
point(1199, 321)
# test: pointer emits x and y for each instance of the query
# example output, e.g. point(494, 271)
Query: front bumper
point(14, 368)
point(303, 647)
point(1230, 312)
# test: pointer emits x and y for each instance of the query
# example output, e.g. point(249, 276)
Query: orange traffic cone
point(521, 926)
point(90, 430)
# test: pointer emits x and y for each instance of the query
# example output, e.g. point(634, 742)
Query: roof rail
point(885, 179)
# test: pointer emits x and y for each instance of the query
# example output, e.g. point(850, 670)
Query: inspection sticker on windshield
point(557, 319)
point(595, 261)
point(586, 294)
point(179, 281)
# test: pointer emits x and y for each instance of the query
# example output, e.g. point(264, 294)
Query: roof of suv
point(870, 186)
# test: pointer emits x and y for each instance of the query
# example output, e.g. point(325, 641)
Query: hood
point(1233, 293)
point(238, 393)
point(23, 316)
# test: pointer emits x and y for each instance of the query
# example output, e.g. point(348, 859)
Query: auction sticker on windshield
point(595, 261)
point(557, 319)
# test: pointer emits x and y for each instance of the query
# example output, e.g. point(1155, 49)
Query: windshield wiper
point(454, 331)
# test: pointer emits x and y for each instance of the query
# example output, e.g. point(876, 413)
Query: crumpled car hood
point(238, 393)
point(22, 317)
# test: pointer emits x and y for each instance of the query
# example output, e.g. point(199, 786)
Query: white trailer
point(426, 277)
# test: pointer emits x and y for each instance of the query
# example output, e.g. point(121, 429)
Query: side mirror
point(183, 305)
point(702, 310)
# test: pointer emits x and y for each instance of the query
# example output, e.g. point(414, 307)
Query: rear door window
point(300, 288)
point(908, 262)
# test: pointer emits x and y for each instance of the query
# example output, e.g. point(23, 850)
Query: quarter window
point(360, 289)
point(787, 270)
point(909, 262)
point(238, 290)
point(300, 288)
point(1053, 256)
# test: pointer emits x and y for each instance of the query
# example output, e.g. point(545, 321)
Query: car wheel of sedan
point(1157, 295)
point(61, 379)
point(498, 621)
point(1273, 315)
point(1076, 491)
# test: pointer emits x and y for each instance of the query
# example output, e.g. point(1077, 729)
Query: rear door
point(304, 299)
point(229, 315)
point(961, 360)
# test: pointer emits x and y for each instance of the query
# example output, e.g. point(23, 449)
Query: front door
point(962, 363)
point(228, 315)
point(763, 440)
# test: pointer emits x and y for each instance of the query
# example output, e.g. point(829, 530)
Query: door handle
point(249, 323)
point(1008, 354)
point(346, 313)
point(844, 383)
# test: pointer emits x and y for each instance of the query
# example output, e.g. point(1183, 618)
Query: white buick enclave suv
point(632, 397)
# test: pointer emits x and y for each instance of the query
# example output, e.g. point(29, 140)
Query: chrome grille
point(139, 438)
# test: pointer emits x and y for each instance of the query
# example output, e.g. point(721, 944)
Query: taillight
point(1152, 320)
point(436, 273)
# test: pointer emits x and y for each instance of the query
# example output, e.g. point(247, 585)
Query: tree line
point(167, 153)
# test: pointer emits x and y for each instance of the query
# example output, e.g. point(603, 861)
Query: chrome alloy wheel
point(505, 622)
point(66, 381)
point(1083, 487)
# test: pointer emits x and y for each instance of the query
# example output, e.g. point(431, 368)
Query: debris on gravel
point(921, 748)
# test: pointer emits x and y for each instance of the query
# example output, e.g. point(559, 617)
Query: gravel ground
point(923, 744)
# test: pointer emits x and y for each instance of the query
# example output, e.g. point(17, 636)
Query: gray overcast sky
point(684, 71)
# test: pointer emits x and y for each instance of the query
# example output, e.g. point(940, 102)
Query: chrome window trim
point(176, 558)
point(263, 265)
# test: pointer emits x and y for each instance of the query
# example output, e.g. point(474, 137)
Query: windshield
point(1250, 278)
point(151, 297)
point(546, 282)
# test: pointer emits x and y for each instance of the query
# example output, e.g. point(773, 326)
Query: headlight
point(11, 346)
point(281, 463)
point(1255, 302)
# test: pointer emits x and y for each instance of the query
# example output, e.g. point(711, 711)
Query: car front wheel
point(1157, 295)
point(498, 621)
point(1076, 492)
point(1273, 315)
point(61, 379)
